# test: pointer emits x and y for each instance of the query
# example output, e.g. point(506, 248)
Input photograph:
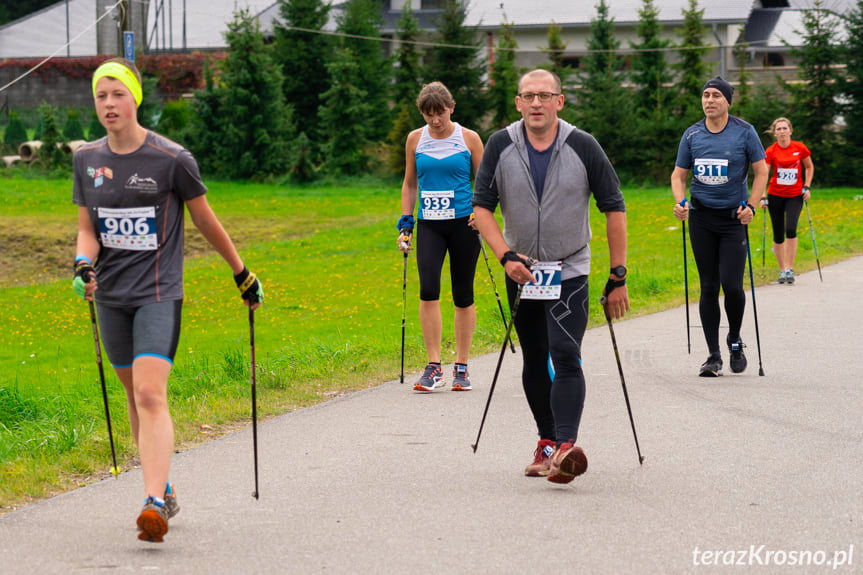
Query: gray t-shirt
point(136, 203)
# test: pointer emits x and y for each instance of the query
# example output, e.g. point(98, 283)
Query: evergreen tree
point(691, 68)
point(650, 70)
point(73, 130)
point(397, 139)
point(302, 56)
point(50, 154)
point(853, 136)
point(814, 102)
point(15, 134)
point(405, 90)
point(408, 73)
point(758, 105)
point(203, 133)
point(460, 69)
point(657, 130)
point(362, 18)
point(554, 51)
point(504, 79)
point(253, 124)
point(602, 107)
point(344, 112)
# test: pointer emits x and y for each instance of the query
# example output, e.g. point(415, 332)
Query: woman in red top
point(787, 190)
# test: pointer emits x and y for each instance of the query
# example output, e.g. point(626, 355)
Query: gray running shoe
point(789, 276)
point(782, 276)
point(431, 379)
point(171, 505)
point(460, 378)
point(712, 367)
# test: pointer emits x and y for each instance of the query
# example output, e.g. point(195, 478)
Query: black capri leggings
point(434, 240)
point(784, 215)
point(719, 246)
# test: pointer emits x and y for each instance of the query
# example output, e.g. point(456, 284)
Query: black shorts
point(434, 240)
point(148, 330)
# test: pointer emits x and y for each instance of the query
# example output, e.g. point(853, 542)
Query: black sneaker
point(738, 358)
point(712, 367)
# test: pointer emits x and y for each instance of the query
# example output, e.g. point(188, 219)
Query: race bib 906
point(128, 228)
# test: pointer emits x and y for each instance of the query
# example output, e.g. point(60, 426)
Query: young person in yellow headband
point(132, 188)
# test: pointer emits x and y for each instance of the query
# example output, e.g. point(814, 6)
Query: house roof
point(44, 32)
point(536, 13)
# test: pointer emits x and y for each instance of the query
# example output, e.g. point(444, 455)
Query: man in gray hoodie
point(542, 171)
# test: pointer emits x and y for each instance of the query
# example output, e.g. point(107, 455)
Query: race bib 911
point(128, 228)
point(711, 172)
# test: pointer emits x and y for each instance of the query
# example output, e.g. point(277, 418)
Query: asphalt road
point(742, 474)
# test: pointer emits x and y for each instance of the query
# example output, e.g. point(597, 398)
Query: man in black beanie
point(719, 150)
point(724, 87)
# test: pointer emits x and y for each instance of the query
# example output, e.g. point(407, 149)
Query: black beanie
point(721, 85)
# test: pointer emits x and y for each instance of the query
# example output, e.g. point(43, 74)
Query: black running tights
point(719, 246)
point(553, 328)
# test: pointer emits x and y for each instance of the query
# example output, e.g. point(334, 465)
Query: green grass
point(332, 322)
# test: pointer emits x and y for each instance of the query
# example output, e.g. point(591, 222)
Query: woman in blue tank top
point(439, 159)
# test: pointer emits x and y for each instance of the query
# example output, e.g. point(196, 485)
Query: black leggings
point(784, 215)
point(719, 246)
point(553, 327)
point(434, 240)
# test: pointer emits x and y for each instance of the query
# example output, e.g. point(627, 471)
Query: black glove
point(250, 287)
point(610, 285)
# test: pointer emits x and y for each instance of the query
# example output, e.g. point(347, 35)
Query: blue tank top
point(443, 175)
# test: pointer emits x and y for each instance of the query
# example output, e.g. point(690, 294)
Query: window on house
point(432, 4)
point(772, 59)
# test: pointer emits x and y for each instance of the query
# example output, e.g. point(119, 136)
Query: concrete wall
point(55, 89)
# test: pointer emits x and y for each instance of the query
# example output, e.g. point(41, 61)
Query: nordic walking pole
point(763, 236)
point(499, 362)
point(494, 285)
point(404, 245)
point(254, 397)
point(115, 471)
point(686, 284)
point(812, 233)
point(603, 301)
point(754, 307)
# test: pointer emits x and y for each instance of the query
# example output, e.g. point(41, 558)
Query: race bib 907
point(546, 281)
point(128, 228)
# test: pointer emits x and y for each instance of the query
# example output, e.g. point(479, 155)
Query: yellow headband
point(122, 73)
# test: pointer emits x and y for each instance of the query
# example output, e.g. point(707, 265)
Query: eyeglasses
point(543, 96)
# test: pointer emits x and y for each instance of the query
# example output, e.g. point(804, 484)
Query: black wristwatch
point(619, 271)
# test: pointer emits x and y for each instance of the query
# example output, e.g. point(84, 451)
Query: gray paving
point(763, 471)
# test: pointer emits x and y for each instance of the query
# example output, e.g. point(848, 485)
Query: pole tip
point(255, 494)
point(761, 371)
point(115, 472)
point(641, 460)
point(473, 446)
